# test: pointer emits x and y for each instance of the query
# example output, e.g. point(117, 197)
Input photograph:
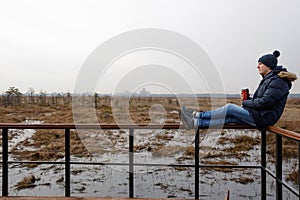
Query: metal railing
point(279, 134)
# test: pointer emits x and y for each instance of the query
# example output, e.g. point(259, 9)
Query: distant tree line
point(13, 97)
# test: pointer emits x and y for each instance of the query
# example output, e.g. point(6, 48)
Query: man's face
point(263, 69)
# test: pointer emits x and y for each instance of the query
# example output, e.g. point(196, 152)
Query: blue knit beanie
point(270, 60)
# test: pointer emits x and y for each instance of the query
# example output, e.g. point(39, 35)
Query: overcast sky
point(43, 44)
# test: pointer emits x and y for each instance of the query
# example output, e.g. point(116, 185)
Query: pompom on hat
point(270, 60)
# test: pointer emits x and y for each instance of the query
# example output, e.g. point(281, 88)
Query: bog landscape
point(226, 146)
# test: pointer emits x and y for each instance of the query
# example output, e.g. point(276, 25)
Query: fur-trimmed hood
point(287, 75)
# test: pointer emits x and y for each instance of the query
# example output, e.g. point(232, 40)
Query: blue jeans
point(230, 113)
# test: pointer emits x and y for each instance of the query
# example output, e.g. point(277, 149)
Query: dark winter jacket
point(269, 99)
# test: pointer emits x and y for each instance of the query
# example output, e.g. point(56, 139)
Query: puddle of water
point(18, 135)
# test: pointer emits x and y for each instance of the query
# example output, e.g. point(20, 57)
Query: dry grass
point(243, 180)
point(26, 182)
point(289, 147)
point(50, 146)
point(220, 162)
point(139, 109)
point(242, 143)
point(239, 146)
point(293, 177)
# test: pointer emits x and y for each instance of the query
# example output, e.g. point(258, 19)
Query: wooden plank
point(110, 126)
point(284, 132)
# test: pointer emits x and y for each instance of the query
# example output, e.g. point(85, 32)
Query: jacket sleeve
point(273, 92)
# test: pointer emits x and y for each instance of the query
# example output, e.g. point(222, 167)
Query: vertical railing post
point(197, 163)
point(299, 169)
point(5, 162)
point(263, 165)
point(278, 167)
point(131, 170)
point(67, 162)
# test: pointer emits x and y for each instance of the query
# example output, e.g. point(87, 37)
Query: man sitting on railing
point(262, 110)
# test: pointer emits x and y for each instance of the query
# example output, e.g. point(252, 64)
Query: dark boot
point(187, 117)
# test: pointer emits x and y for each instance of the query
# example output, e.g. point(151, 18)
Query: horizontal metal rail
point(67, 127)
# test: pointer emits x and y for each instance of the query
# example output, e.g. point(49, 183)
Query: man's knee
point(230, 109)
point(229, 106)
